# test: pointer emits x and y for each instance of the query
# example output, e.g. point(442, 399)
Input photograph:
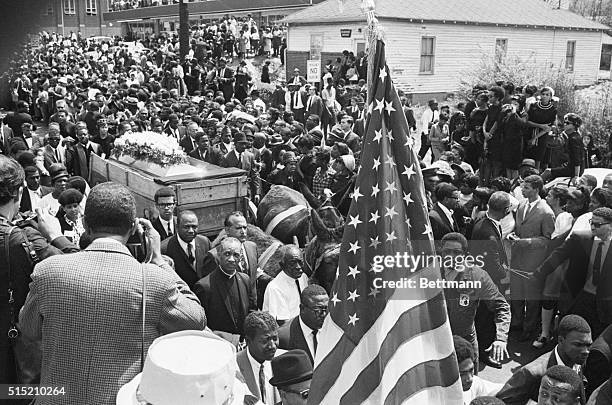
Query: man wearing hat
point(576, 155)
point(292, 376)
point(59, 178)
point(78, 157)
point(526, 168)
point(297, 79)
point(243, 159)
point(286, 174)
point(430, 181)
point(295, 101)
point(33, 192)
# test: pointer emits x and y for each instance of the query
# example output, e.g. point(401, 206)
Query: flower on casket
point(151, 147)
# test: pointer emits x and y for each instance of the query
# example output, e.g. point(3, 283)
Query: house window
point(570, 55)
point(316, 46)
point(427, 54)
point(69, 7)
point(91, 7)
point(501, 47)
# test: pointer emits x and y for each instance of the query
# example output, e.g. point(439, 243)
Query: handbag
point(28, 352)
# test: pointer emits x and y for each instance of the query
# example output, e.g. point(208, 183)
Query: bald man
point(282, 296)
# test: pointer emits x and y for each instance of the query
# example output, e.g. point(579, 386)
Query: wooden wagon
point(210, 191)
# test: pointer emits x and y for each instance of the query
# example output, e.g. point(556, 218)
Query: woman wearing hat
point(576, 153)
point(70, 217)
point(342, 182)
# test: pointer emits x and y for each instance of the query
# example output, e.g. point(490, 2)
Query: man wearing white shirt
point(472, 385)
point(430, 116)
point(33, 192)
point(59, 179)
point(282, 296)
point(302, 331)
point(261, 333)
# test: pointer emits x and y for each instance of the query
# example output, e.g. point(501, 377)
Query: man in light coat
point(87, 307)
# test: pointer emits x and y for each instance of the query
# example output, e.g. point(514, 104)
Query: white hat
point(189, 367)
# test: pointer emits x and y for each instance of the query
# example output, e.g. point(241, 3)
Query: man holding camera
point(97, 311)
point(23, 244)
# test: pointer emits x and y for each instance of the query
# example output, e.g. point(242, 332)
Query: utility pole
point(183, 30)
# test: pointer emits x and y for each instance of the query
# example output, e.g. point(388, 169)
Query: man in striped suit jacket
point(87, 309)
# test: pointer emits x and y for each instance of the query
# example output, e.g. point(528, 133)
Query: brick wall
point(296, 59)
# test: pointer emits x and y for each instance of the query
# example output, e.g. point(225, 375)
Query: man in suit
point(265, 154)
point(487, 243)
point(187, 248)
point(243, 159)
point(261, 334)
point(67, 128)
point(314, 103)
point(78, 157)
point(282, 297)
point(295, 101)
point(33, 192)
point(599, 363)
point(442, 215)
point(535, 222)
point(587, 278)
point(175, 130)
point(572, 351)
point(301, 332)
point(204, 151)
point(226, 293)
point(225, 79)
point(96, 295)
point(54, 151)
point(297, 79)
point(165, 202)
point(188, 143)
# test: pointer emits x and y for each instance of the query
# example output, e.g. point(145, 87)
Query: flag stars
point(375, 190)
point(389, 107)
point(408, 198)
point(354, 221)
point(354, 247)
point(370, 108)
point(390, 161)
point(357, 194)
point(391, 236)
point(383, 74)
point(390, 135)
point(427, 230)
point(408, 171)
point(353, 296)
point(378, 135)
point(335, 299)
point(376, 163)
point(353, 271)
point(409, 141)
point(408, 223)
point(391, 187)
point(353, 319)
point(374, 218)
point(374, 242)
point(390, 212)
point(374, 292)
point(380, 105)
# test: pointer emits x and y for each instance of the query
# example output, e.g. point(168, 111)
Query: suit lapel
point(297, 337)
point(247, 373)
point(443, 216)
point(200, 253)
point(226, 299)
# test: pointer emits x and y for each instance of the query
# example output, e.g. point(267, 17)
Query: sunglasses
point(598, 225)
point(303, 393)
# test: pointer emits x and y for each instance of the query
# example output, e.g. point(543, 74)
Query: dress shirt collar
point(307, 331)
point(447, 212)
point(575, 367)
point(237, 155)
point(228, 146)
point(184, 244)
point(496, 222)
point(166, 223)
point(533, 203)
point(255, 365)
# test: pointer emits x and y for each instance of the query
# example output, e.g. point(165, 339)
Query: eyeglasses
point(319, 310)
point(165, 205)
point(567, 122)
point(598, 225)
point(303, 393)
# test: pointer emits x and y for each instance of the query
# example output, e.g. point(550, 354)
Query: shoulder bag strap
point(12, 331)
point(144, 312)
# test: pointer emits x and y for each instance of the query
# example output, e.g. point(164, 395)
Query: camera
point(137, 245)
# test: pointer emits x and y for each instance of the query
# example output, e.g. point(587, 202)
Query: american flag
point(385, 346)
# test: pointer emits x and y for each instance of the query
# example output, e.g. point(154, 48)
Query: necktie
point(297, 284)
point(597, 263)
point(314, 341)
point(243, 263)
point(57, 156)
point(170, 231)
point(262, 383)
point(296, 96)
point(527, 209)
point(190, 256)
point(240, 160)
point(309, 103)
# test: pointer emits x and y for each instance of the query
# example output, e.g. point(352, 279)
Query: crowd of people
point(546, 248)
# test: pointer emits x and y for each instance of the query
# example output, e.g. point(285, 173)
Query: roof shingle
point(502, 12)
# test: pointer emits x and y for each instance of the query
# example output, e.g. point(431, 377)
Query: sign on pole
point(314, 71)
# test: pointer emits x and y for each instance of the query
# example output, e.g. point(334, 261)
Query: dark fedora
point(291, 367)
point(57, 171)
point(240, 137)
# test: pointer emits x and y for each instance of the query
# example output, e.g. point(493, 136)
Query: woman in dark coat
point(541, 116)
point(513, 129)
